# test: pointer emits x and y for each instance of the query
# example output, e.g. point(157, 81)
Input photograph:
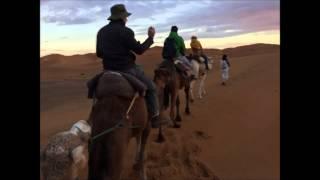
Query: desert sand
point(231, 134)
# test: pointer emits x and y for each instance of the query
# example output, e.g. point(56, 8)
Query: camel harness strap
point(120, 124)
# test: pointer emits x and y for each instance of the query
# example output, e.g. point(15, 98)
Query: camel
point(169, 83)
point(66, 153)
point(120, 111)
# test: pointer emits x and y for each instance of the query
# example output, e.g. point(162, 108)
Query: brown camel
point(169, 82)
point(114, 98)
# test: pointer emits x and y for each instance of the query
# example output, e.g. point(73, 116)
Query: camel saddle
point(195, 57)
point(200, 60)
point(117, 83)
point(173, 68)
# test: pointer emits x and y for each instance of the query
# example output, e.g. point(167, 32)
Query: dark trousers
point(151, 93)
point(206, 60)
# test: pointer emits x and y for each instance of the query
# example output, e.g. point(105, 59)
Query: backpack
point(169, 50)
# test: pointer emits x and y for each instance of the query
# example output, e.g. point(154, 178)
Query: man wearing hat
point(116, 44)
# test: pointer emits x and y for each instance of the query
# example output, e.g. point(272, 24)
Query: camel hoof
point(143, 177)
point(136, 166)
point(176, 126)
point(191, 100)
point(178, 119)
point(160, 139)
point(187, 112)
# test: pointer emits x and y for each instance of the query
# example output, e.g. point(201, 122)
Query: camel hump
point(117, 84)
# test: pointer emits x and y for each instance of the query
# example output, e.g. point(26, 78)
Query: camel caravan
point(126, 103)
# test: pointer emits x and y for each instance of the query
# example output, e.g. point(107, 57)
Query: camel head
point(82, 129)
point(161, 77)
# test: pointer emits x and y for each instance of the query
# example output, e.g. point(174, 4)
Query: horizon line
point(162, 46)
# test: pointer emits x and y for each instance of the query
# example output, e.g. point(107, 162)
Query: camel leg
point(160, 138)
point(115, 154)
point(191, 90)
point(204, 92)
point(187, 90)
point(141, 144)
point(178, 117)
point(145, 135)
point(79, 162)
point(74, 172)
point(173, 109)
point(138, 140)
point(200, 87)
point(95, 160)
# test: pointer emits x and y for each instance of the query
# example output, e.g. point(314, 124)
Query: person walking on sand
point(225, 65)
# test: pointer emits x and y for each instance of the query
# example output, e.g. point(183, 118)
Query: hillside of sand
point(233, 133)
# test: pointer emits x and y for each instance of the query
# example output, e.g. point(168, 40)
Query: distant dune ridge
point(260, 47)
point(89, 62)
point(231, 134)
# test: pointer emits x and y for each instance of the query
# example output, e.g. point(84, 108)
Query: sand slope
point(233, 133)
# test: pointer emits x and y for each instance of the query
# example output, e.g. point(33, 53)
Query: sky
point(70, 26)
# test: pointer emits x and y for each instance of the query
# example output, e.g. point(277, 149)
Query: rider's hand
point(151, 31)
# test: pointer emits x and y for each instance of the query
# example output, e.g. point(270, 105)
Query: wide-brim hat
point(118, 11)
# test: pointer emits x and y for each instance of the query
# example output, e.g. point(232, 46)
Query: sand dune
point(232, 134)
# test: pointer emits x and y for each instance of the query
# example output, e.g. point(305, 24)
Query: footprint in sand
point(176, 158)
point(201, 135)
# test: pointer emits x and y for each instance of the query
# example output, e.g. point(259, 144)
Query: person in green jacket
point(180, 47)
point(178, 56)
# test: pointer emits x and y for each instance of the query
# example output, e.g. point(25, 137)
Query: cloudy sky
point(70, 26)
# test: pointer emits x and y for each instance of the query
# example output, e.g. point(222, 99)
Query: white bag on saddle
point(202, 60)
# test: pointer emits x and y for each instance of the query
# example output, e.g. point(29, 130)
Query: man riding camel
point(116, 44)
point(180, 50)
point(197, 50)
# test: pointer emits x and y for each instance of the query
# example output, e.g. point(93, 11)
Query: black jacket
point(115, 43)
